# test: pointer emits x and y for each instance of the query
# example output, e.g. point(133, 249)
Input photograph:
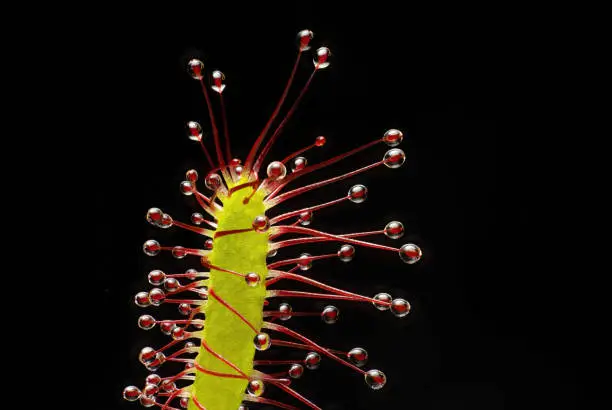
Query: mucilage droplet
point(394, 158)
point(394, 230)
point(375, 379)
point(410, 253)
point(393, 137)
point(358, 193)
point(358, 356)
point(383, 297)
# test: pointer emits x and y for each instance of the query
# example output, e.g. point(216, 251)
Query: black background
point(502, 317)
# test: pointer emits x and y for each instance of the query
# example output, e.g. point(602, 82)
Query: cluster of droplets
point(330, 314)
point(154, 384)
point(188, 185)
point(357, 356)
point(276, 171)
point(157, 217)
point(151, 358)
point(399, 307)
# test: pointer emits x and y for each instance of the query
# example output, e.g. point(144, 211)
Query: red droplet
point(147, 354)
point(142, 299)
point(197, 218)
point(322, 58)
point(304, 38)
point(299, 164)
point(192, 175)
point(261, 223)
point(154, 215)
point(166, 326)
point(212, 181)
point(195, 68)
point(252, 279)
point(146, 321)
point(320, 141)
point(184, 309)
point(178, 333)
point(153, 379)
point(218, 78)
point(187, 187)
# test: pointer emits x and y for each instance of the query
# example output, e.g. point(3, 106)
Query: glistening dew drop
point(223, 306)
